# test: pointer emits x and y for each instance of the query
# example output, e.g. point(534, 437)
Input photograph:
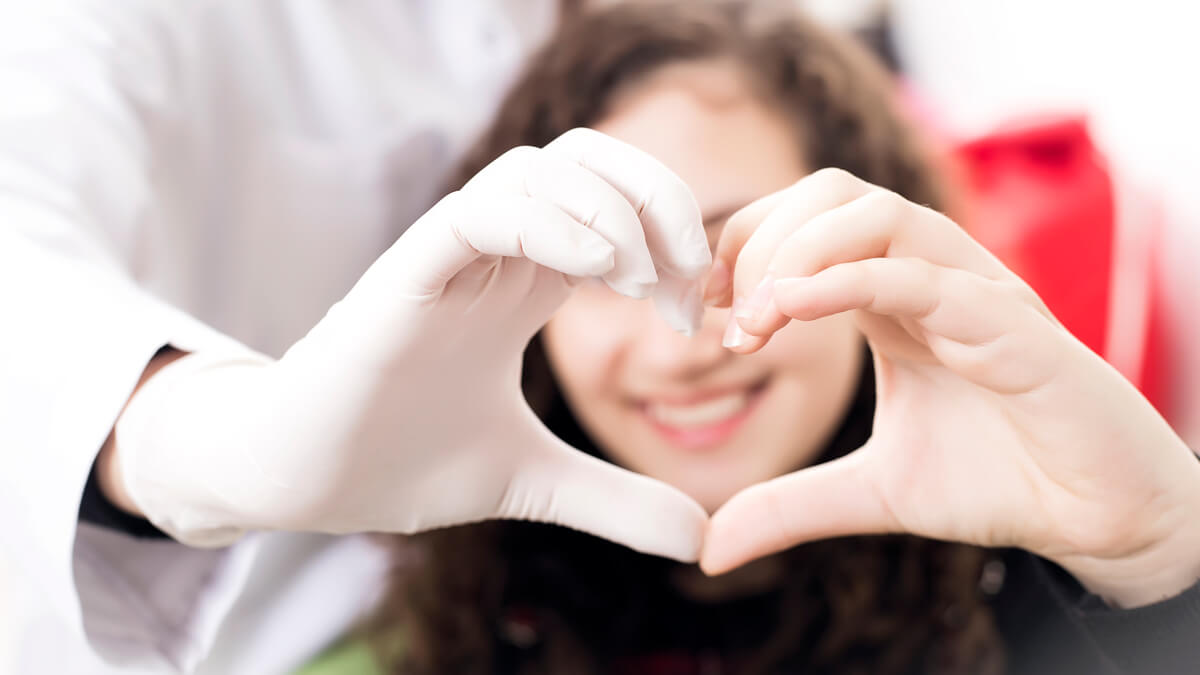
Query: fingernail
point(758, 299)
point(718, 282)
point(734, 335)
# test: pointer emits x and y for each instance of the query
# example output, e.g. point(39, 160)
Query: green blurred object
point(349, 657)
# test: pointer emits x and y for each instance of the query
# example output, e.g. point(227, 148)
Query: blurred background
point(1070, 126)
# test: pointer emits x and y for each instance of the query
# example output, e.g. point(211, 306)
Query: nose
point(668, 353)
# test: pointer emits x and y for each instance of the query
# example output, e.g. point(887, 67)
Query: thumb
point(834, 499)
point(567, 487)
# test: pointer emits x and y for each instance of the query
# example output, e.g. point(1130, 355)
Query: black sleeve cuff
point(1162, 638)
point(96, 509)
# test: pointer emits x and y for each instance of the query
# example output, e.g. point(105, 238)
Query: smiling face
point(686, 410)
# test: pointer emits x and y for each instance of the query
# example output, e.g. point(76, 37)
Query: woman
point(741, 102)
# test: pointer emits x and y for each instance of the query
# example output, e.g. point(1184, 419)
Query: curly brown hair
point(530, 598)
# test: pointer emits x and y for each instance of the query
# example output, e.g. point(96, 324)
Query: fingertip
point(739, 341)
point(698, 261)
point(691, 553)
point(746, 336)
point(765, 323)
point(724, 544)
point(600, 257)
point(638, 290)
point(712, 565)
point(712, 562)
point(690, 533)
point(735, 338)
point(678, 301)
point(720, 301)
point(718, 283)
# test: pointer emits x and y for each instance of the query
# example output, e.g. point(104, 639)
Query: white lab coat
point(179, 172)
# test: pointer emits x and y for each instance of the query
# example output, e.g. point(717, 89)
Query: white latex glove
point(402, 409)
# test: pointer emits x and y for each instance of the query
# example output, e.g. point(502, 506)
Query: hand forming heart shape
point(993, 426)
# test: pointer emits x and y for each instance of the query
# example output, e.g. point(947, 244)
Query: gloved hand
point(402, 409)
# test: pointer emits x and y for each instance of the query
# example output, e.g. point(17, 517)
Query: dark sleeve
point(96, 509)
point(1158, 639)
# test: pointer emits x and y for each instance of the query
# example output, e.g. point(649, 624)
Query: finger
point(596, 204)
point(880, 224)
point(751, 235)
point(991, 332)
point(678, 302)
point(589, 199)
point(877, 224)
point(829, 500)
point(461, 228)
point(582, 492)
point(737, 340)
point(951, 303)
point(718, 290)
point(748, 243)
point(674, 229)
point(860, 228)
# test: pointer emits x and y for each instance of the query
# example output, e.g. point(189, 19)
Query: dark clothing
point(1048, 623)
point(1051, 625)
point(95, 508)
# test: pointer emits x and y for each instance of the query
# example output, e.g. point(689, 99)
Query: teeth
point(701, 414)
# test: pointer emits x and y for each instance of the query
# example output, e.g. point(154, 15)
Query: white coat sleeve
point(84, 89)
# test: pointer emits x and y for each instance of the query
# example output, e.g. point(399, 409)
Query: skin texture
point(615, 359)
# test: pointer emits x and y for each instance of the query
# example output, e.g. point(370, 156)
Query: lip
point(708, 436)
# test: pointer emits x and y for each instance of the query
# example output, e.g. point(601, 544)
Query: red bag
point(1040, 196)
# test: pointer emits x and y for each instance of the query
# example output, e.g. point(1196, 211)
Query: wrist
point(111, 481)
point(181, 438)
point(1151, 574)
